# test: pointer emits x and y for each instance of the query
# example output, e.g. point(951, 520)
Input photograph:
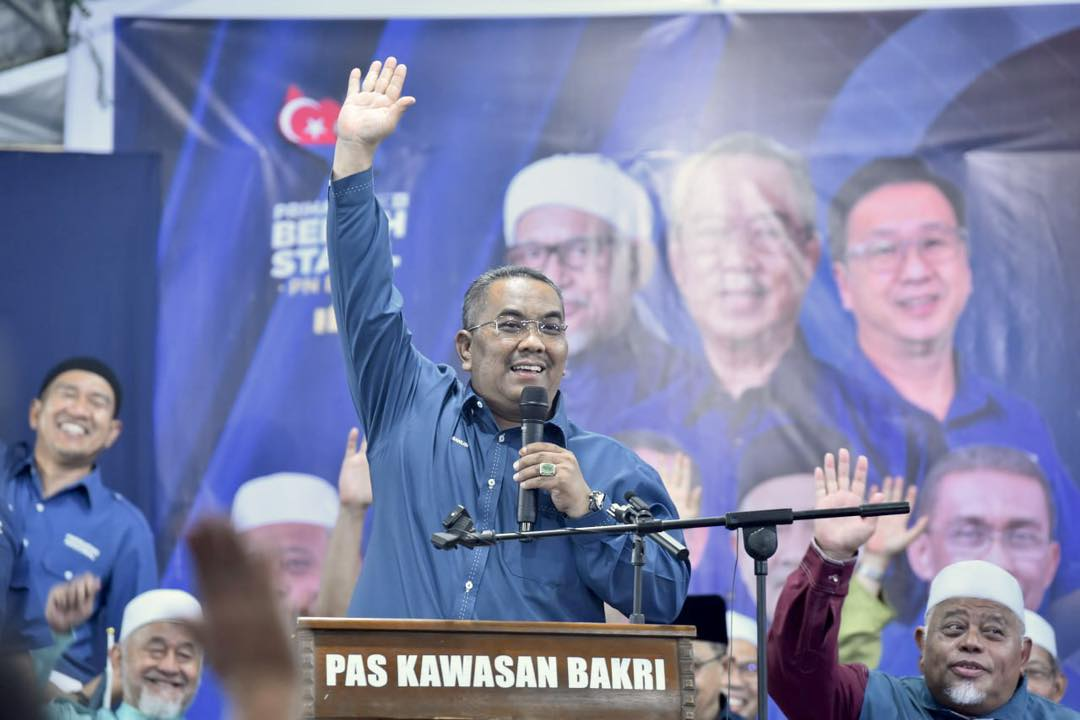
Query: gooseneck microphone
point(534, 411)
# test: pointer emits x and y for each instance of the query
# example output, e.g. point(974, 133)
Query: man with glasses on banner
point(901, 259)
point(587, 224)
point(743, 247)
point(435, 442)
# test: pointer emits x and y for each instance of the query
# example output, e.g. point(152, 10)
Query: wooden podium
point(442, 669)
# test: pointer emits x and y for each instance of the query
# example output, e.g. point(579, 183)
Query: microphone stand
point(760, 543)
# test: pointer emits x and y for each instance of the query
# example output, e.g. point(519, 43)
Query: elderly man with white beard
point(157, 662)
point(973, 646)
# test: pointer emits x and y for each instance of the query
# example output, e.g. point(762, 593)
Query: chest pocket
point(548, 562)
point(70, 558)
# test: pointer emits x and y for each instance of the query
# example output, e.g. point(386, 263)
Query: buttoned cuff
point(353, 189)
point(827, 574)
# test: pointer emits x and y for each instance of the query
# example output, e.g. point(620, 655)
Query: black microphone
point(641, 511)
point(534, 411)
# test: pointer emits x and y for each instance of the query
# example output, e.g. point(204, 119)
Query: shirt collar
point(474, 408)
point(1015, 709)
point(90, 484)
point(975, 398)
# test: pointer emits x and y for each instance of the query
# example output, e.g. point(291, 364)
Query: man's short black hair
point(875, 174)
point(89, 364)
point(972, 458)
point(477, 292)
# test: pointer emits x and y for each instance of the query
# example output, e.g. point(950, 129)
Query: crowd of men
point(963, 579)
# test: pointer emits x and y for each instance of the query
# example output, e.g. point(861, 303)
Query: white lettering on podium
point(335, 665)
point(643, 678)
point(376, 665)
point(577, 674)
point(661, 675)
point(620, 674)
point(406, 671)
point(354, 674)
point(526, 673)
point(429, 672)
point(482, 676)
point(598, 674)
point(504, 671)
point(548, 672)
point(456, 670)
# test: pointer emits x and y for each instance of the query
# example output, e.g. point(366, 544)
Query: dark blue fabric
point(892, 697)
point(84, 528)
point(433, 443)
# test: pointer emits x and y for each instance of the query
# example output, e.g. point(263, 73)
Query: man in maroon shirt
point(972, 647)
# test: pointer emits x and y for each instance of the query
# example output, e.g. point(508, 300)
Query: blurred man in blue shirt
point(72, 523)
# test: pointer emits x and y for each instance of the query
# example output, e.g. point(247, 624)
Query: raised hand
point(892, 535)
point(678, 478)
point(354, 479)
point(836, 487)
point(370, 113)
point(71, 603)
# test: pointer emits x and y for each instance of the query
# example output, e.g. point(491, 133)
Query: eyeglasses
point(884, 251)
point(573, 254)
point(747, 669)
point(509, 327)
point(974, 538)
point(769, 234)
point(698, 664)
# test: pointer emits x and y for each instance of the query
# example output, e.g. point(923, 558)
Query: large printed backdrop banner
point(958, 291)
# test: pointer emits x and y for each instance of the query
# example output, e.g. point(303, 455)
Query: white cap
point(980, 580)
point(741, 627)
point(1040, 632)
point(159, 606)
point(284, 498)
point(592, 183)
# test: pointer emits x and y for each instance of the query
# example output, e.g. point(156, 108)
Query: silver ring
point(547, 469)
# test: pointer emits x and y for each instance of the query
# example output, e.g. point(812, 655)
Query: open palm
point(836, 487)
point(370, 113)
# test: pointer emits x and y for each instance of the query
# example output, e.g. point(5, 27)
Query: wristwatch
point(596, 500)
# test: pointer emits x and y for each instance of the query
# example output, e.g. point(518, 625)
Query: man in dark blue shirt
point(901, 261)
point(72, 523)
point(434, 442)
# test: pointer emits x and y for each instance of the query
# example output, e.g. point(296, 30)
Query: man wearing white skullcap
point(973, 647)
point(287, 517)
point(1043, 669)
point(157, 662)
point(740, 664)
point(588, 224)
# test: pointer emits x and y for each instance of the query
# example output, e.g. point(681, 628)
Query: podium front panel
point(466, 670)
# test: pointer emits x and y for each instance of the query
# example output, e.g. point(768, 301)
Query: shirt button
point(40, 507)
point(468, 585)
point(834, 579)
point(502, 438)
point(479, 403)
point(491, 482)
point(68, 574)
point(26, 542)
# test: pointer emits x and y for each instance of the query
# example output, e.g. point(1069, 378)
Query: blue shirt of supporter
point(433, 443)
point(15, 632)
point(83, 528)
point(812, 407)
point(981, 413)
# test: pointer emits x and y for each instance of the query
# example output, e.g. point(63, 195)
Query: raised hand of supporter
point(569, 492)
point(354, 478)
point(836, 487)
point(244, 633)
point(71, 603)
point(370, 113)
point(678, 477)
point(892, 535)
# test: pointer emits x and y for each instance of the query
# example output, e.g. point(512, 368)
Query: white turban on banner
point(741, 627)
point(592, 183)
point(284, 498)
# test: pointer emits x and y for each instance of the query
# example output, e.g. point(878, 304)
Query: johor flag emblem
point(305, 121)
